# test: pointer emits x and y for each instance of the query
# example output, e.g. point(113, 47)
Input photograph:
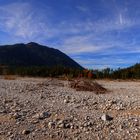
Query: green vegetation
point(126, 73)
point(33, 59)
point(56, 71)
point(40, 71)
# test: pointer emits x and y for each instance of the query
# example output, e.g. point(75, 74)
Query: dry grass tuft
point(9, 77)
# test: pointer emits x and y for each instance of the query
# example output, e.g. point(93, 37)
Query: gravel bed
point(49, 109)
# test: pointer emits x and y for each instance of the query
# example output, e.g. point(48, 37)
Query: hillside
point(33, 54)
point(126, 73)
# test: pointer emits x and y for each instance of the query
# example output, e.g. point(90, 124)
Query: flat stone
point(42, 115)
point(106, 117)
point(51, 125)
point(26, 132)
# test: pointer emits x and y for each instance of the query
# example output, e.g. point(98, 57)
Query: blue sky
point(95, 33)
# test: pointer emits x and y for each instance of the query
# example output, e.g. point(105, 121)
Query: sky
point(95, 33)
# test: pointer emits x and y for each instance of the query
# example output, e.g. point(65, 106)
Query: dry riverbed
point(49, 109)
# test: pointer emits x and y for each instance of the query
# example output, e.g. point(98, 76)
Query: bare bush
point(87, 85)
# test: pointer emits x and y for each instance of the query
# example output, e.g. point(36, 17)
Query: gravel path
point(48, 109)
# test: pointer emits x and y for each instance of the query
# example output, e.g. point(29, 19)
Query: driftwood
point(87, 85)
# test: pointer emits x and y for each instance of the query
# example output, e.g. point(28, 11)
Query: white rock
point(66, 101)
point(106, 117)
point(25, 132)
point(51, 125)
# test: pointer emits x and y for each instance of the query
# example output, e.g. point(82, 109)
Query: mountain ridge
point(34, 54)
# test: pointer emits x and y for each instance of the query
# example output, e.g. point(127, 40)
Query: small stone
point(94, 103)
point(34, 121)
point(3, 111)
point(42, 115)
point(9, 133)
point(11, 137)
point(1, 132)
point(26, 132)
point(63, 124)
point(60, 124)
point(87, 124)
point(87, 118)
point(66, 101)
point(51, 136)
point(72, 126)
point(51, 125)
point(106, 117)
point(41, 96)
point(67, 125)
point(121, 127)
point(16, 116)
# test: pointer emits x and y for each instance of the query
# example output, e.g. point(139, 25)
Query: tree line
point(132, 72)
point(39, 71)
point(42, 71)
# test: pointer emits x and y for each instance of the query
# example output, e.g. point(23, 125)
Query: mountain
point(33, 54)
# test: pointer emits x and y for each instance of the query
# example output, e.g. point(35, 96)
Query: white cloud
point(121, 19)
point(79, 44)
point(104, 62)
point(82, 8)
point(21, 20)
point(87, 36)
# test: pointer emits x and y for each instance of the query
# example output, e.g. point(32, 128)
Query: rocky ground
point(48, 109)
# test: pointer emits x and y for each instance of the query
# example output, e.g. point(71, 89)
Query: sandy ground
point(48, 109)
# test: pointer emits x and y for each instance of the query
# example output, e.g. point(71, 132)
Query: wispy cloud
point(106, 35)
point(25, 21)
point(105, 61)
point(22, 20)
point(82, 8)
